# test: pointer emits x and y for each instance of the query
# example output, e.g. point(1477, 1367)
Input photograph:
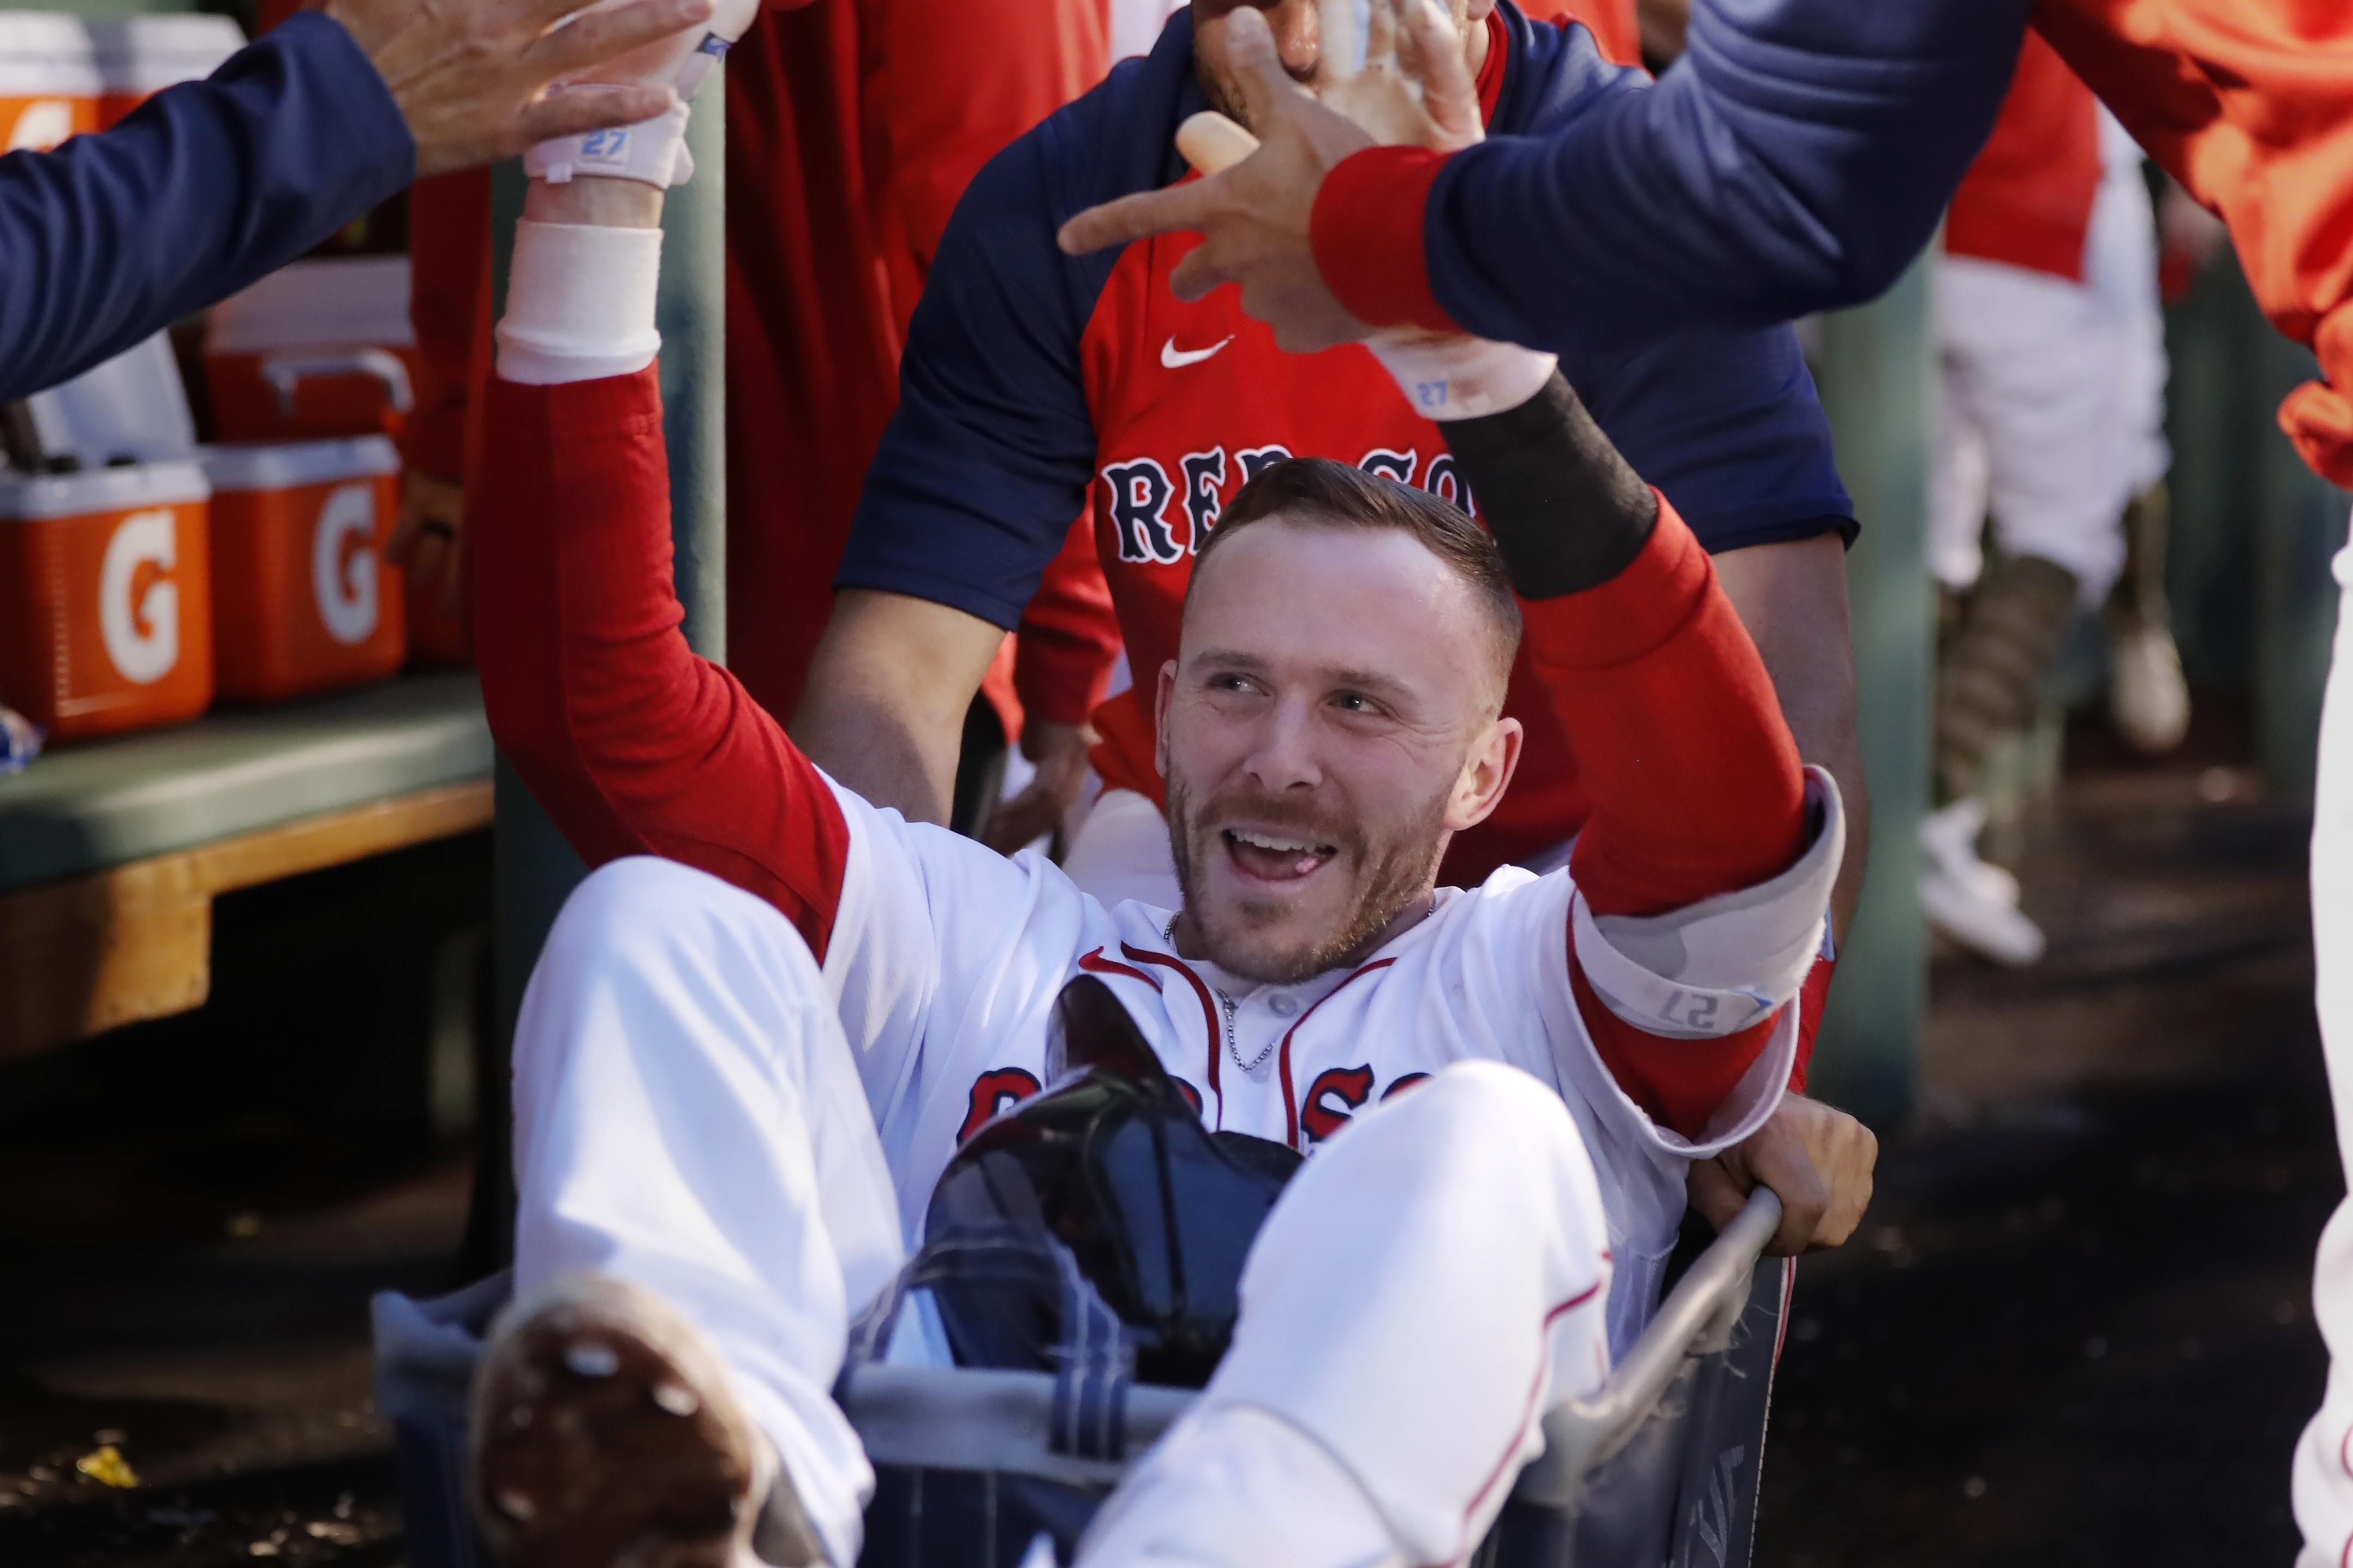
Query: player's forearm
point(1791, 597)
point(1796, 158)
point(1695, 782)
point(888, 689)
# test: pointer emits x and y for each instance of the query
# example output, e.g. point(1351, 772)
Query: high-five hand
point(1411, 85)
point(470, 75)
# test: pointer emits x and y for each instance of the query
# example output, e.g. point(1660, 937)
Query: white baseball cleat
point(606, 1435)
point(1949, 837)
point(2149, 698)
point(1973, 902)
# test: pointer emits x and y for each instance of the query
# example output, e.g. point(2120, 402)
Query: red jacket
point(2027, 200)
point(852, 128)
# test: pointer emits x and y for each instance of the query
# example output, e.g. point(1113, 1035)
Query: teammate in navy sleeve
point(1038, 387)
point(210, 185)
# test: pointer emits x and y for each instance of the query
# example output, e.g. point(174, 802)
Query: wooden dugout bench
point(112, 853)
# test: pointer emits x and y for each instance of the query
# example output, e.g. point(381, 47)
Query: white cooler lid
point(148, 54)
point(45, 53)
point(40, 496)
point(282, 464)
point(326, 301)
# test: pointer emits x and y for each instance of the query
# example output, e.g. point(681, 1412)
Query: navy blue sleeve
point(1725, 421)
point(1727, 426)
point(198, 192)
point(1796, 158)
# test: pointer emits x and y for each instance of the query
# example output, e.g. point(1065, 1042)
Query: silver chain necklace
point(1230, 1008)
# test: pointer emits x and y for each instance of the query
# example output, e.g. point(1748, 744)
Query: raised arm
point(1796, 158)
point(328, 114)
point(633, 743)
point(1704, 871)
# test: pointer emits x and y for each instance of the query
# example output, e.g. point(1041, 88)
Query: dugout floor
point(2075, 1329)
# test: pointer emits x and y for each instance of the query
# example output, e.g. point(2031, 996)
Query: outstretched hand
point(1253, 206)
point(1815, 1158)
point(430, 538)
point(470, 75)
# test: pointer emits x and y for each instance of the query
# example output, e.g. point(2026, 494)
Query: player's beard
point(1387, 871)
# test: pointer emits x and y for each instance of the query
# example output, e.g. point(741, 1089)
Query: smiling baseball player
point(740, 1067)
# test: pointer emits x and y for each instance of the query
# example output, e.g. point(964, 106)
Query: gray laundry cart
point(1660, 1466)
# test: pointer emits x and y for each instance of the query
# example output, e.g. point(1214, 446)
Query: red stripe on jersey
point(1094, 962)
point(1290, 1101)
point(1208, 1013)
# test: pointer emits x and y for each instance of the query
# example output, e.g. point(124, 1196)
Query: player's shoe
point(1969, 900)
point(606, 1435)
point(2149, 698)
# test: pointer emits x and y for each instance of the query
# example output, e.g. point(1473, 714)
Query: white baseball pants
point(687, 1117)
point(2030, 425)
point(2322, 1485)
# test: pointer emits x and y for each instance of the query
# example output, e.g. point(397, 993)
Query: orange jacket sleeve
point(2249, 103)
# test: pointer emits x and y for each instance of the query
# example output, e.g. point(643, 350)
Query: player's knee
point(628, 912)
point(1510, 1117)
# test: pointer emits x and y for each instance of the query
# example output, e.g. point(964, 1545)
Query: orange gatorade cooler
point(139, 56)
point(49, 86)
point(320, 347)
point(301, 596)
point(105, 598)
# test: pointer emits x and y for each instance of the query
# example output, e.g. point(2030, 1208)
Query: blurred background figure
point(2049, 443)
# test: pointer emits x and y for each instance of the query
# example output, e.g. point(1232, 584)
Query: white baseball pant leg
point(1431, 1283)
point(2120, 268)
point(2322, 1476)
point(2030, 425)
point(689, 1117)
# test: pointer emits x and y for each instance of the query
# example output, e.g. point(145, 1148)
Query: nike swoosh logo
point(1173, 358)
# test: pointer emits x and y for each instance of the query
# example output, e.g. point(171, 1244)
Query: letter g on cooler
point(343, 573)
point(139, 612)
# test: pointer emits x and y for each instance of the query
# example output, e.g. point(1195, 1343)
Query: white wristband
point(1451, 375)
point(580, 303)
point(652, 152)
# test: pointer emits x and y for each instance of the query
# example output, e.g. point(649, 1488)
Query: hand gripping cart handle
point(1662, 1464)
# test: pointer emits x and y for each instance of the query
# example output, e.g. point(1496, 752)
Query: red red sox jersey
point(1038, 387)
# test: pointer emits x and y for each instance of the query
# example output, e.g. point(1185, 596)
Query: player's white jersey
point(946, 959)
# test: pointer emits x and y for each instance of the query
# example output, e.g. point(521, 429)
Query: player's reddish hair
point(1320, 490)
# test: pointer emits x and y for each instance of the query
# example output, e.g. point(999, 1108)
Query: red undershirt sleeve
point(1696, 785)
point(1366, 235)
point(1069, 636)
point(632, 743)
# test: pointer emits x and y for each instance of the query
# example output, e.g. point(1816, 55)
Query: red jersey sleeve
point(1069, 635)
point(633, 745)
point(1695, 786)
point(2245, 102)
